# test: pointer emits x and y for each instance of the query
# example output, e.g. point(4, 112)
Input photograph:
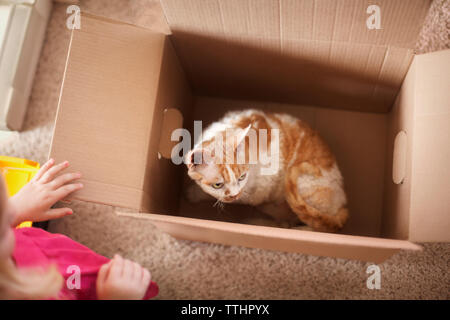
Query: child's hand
point(33, 201)
point(122, 279)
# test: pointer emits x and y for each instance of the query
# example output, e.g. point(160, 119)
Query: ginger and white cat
point(305, 185)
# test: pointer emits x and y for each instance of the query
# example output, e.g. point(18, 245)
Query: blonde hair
point(30, 283)
point(33, 283)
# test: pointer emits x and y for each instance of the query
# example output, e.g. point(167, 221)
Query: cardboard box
point(383, 110)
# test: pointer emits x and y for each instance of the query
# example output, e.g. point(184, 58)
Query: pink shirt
point(38, 248)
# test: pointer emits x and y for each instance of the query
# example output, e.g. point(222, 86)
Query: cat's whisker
point(220, 205)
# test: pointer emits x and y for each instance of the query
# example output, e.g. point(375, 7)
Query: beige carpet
point(192, 270)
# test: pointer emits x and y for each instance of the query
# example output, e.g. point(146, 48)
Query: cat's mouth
point(231, 198)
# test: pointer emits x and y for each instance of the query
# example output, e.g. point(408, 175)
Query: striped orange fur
point(308, 179)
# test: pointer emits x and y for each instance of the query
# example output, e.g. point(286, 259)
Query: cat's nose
point(232, 197)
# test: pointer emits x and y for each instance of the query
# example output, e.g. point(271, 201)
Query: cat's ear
point(199, 163)
point(197, 158)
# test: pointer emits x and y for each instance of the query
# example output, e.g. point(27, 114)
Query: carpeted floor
point(192, 270)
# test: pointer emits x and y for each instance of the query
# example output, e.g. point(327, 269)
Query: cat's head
point(220, 175)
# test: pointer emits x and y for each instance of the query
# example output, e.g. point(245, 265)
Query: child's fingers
point(103, 275)
point(65, 190)
point(57, 213)
point(128, 269)
point(65, 178)
point(51, 173)
point(43, 169)
point(137, 271)
point(116, 267)
point(146, 276)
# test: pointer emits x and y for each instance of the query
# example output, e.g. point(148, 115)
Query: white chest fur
point(263, 188)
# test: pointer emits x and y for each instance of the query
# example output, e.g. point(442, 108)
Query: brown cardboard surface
point(396, 204)
point(301, 76)
point(293, 51)
point(106, 107)
point(316, 243)
point(419, 208)
point(326, 20)
point(430, 188)
point(161, 176)
point(172, 120)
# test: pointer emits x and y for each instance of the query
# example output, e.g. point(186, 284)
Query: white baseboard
point(22, 31)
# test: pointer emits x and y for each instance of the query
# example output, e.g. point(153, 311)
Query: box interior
point(361, 158)
point(344, 84)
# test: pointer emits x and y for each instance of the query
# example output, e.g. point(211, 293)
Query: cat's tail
point(309, 214)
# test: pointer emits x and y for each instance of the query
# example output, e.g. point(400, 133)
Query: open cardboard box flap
point(276, 40)
point(429, 216)
point(315, 243)
point(111, 110)
point(120, 79)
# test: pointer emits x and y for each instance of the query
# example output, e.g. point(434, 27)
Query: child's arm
point(33, 201)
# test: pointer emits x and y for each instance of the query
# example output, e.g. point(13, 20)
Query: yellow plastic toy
point(18, 172)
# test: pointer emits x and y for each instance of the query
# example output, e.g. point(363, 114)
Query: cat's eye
point(217, 185)
point(242, 177)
